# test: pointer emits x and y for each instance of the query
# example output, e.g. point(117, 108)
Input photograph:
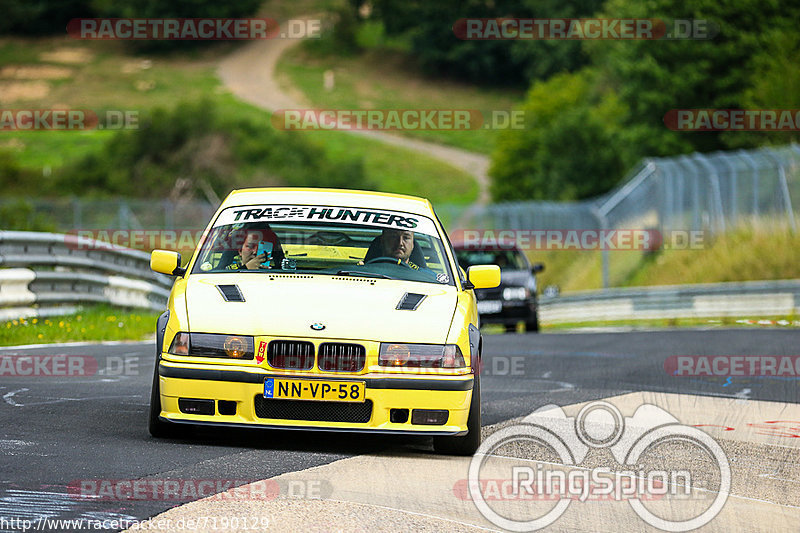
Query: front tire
point(469, 443)
point(158, 428)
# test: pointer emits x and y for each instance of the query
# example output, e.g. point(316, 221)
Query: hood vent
point(410, 301)
point(231, 293)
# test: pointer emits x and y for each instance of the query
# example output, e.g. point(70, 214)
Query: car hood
point(348, 307)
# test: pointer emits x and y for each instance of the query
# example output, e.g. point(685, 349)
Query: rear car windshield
point(505, 259)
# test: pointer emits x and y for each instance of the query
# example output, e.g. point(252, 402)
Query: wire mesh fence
point(708, 193)
point(691, 192)
point(699, 192)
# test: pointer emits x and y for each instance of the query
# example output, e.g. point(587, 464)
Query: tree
point(653, 76)
point(570, 147)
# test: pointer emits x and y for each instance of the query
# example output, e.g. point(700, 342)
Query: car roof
point(329, 197)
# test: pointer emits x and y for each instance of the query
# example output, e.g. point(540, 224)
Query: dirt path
point(249, 73)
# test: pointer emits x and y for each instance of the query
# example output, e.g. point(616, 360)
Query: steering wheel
point(386, 259)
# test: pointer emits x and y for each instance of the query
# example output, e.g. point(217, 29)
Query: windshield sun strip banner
point(379, 218)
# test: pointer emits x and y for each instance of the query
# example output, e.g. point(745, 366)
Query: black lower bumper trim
point(238, 376)
point(316, 428)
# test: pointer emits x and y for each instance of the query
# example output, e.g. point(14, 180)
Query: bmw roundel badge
point(317, 326)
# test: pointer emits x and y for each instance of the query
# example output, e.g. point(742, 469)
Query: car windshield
point(325, 240)
point(505, 259)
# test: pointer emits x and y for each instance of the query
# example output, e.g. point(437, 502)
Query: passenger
point(251, 237)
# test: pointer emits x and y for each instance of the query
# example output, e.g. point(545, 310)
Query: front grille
point(291, 355)
point(341, 357)
point(357, 413)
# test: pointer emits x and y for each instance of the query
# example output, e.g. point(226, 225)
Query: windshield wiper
point(363, 274)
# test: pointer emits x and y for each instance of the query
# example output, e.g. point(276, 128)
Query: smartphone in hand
point(266, 249)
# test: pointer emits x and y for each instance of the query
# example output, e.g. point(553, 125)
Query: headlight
point(212, 345)
point(515, 293)
point(421, 355)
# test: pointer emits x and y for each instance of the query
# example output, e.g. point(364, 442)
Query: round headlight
point(397, 354)
point(235, 347)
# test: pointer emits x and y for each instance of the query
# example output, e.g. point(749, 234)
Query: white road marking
point(9, 397)
point(774, 475)
point(743, 394)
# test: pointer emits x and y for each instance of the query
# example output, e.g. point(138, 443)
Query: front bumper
point(512, 312)
point(245, 387)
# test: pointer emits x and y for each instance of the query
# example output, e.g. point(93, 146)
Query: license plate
point(314, 389)
point(490, 306)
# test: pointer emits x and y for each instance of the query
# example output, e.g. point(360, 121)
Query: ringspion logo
point(495, 476)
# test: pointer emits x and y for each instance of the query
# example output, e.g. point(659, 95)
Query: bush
point(21, 215)
point(190, 149)
point(570, 148)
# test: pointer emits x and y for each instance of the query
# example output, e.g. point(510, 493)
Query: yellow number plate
point(313, 389)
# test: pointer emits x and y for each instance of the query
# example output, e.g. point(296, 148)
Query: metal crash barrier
point(45, 274)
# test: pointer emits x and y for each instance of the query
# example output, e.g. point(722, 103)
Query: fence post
point(713, 178)
point(76, 213)
point(754, 166)
point(733, 185)
point(787, 201)
point(602, 221)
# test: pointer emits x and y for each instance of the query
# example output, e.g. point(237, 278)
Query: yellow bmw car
point(322, 309)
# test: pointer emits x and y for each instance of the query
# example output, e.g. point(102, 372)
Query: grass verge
point(758, 250)
point(109, 77)
point(385, 79)
point(720, 322)
point(96, 323)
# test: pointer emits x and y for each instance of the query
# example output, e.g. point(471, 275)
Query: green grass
point(114, 78)
point(757, 250)
point(386, 79)
point(760, 251)
point(96, 323)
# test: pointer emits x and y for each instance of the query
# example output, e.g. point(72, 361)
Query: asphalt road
point(60, 431)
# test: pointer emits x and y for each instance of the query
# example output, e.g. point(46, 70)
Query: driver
point(397, 243)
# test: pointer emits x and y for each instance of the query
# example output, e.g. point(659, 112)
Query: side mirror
point(483, 276)
point(166, 262)
point(537, 267)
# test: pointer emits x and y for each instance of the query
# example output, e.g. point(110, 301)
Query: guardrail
point(49, 274)
point(751, 298)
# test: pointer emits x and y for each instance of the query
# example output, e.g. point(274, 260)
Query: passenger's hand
point(255, 262)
